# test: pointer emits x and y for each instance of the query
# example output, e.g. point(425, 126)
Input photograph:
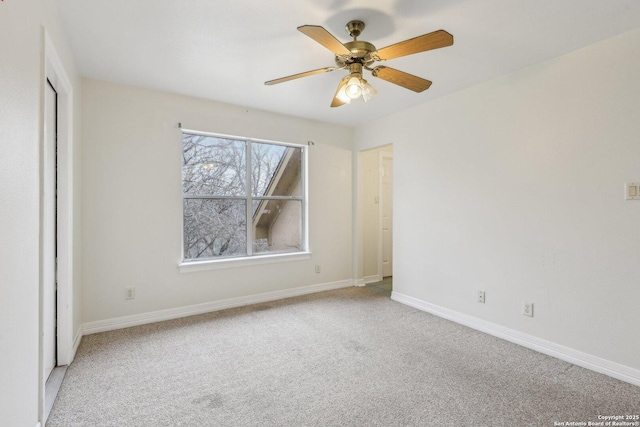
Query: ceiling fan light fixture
point(342, 95)
point(354, 86)
point(368, 91)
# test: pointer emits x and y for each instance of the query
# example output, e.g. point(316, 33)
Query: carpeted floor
point(350, 357)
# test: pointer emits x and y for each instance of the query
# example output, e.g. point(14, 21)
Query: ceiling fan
point(357, 55)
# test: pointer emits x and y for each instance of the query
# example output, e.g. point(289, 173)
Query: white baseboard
point(588, 361)
point(358, 282)
point(372, 279)
point(175, 313)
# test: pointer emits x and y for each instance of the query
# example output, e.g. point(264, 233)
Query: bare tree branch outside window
point(223, 196)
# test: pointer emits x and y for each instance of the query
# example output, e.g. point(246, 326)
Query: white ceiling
point(226, 49)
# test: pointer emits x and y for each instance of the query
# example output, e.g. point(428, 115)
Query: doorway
point(49, 232)
point(385, 251)
point(52, 374)
point(57, 343)
point(375, 206)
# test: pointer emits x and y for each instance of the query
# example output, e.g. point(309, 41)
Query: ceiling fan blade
point(337, 102)
point(422, 43)
point(300, 75)
point(400, 78)
point(325, 38)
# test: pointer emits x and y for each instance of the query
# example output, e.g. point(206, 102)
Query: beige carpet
point(350, 357)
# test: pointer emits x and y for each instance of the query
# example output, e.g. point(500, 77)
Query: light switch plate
point(632, 191)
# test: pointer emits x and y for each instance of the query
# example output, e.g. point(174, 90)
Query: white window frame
point(250, 258)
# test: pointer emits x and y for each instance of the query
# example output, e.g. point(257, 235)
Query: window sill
point(190, 266)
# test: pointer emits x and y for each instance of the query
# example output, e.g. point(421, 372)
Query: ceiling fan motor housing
point(360, 52)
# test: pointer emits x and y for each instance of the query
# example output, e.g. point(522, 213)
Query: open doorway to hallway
point(383, 287)
point(376, 215)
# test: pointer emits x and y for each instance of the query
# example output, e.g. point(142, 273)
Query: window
point(241, 197)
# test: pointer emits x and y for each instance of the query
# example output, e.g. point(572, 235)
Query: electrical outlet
point(317, 269)
point(481, 296)
point(527, 309)
point(129, 293)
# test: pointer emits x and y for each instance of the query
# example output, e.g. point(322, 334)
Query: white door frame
point(382, 156)
point(56, 74)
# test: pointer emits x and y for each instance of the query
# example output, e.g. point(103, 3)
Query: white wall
point(21, 77)
point(515, 187)
point(132, 206)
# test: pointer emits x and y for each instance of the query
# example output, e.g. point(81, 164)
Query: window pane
point(275, 170)
point(214, 228)
point(277, 226)
point(213, 166)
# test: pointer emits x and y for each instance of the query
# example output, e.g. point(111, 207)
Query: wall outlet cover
point(481, 296)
